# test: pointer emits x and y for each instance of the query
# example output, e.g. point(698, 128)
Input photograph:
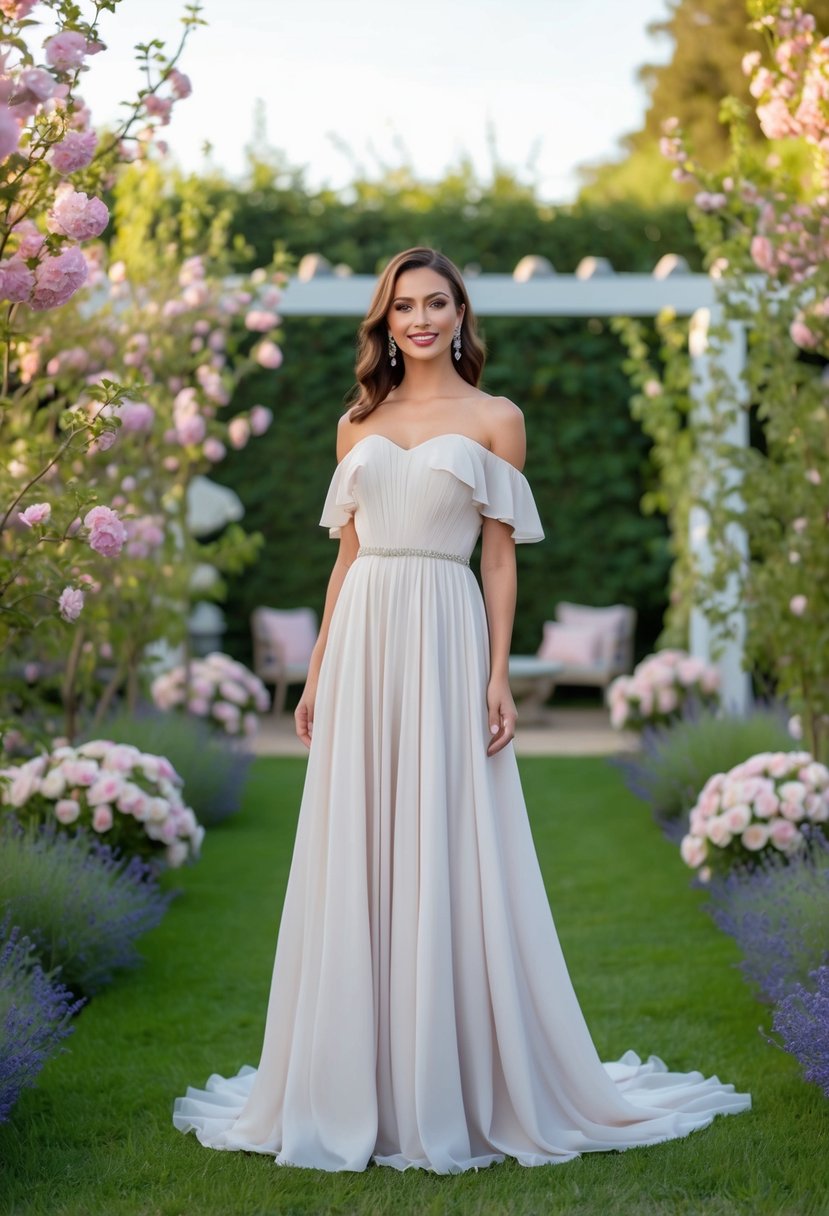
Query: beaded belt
point(382, 552)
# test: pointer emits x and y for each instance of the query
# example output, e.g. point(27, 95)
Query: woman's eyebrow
point(431, 293)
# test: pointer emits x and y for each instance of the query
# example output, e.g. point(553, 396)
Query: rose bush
point(758, 807)
point(217, 688)
point(661, 689)
point(132, 799)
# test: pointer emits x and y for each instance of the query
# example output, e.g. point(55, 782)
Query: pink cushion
point(576, 645)
point(616, 616)
point(292, 632)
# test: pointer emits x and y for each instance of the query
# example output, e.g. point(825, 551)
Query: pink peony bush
point(221, 690)
point(661, 688)
point(131, 798)
point(758, 807)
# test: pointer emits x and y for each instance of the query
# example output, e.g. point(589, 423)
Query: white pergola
point(535, 289)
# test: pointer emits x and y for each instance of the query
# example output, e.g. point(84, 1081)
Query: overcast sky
point(553, 79)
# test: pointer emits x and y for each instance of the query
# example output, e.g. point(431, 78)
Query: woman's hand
point(304, 712)
point(502, 714)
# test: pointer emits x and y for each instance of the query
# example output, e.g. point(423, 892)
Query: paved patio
point(565, 732)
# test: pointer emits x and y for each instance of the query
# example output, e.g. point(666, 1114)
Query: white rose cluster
point(660, 688)
point(760, 805)
point(220, 689)
point(132, 797)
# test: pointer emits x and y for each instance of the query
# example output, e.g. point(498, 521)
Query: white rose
point(158, 810)
point(693, 850)
point(718, 833)
point(176, 854)
point(53, 784)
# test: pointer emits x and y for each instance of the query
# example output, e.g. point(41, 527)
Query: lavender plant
point(81, 902)
point(35, 1015)
point(777, 912)
point(802, 1021)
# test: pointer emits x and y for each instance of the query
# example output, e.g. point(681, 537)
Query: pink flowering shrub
point(131, 798)
point(661, 688)
point(764, 232)
point(758, 807)
point(216, 688)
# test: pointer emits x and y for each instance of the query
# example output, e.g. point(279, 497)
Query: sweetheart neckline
point(431, 439)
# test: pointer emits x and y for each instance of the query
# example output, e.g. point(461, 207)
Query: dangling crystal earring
point(456, 342)
point(392, 350)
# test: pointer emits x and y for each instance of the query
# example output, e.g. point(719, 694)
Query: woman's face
point(423, 307)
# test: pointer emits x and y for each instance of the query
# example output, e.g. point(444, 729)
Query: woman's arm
point(349, 544)
point(500, 582)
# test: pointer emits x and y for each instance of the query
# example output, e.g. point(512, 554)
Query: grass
point(652, 972)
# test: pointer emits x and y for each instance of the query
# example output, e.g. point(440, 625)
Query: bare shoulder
point(347, 435)
point(507, 433)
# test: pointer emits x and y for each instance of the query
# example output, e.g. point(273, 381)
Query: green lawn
point(651, 970)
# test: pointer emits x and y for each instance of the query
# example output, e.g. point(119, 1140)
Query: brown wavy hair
point(375, 375)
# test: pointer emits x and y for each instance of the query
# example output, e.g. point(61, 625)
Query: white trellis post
point(723, 644)
point(595, 290)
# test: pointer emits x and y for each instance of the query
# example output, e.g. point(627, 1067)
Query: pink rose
point(74, 152)
point(214, 449)
point(16, 281)
point(191, 430)
point(102, 818)
point(158, 107)
point(57, 278)
point(738, 818)
point(260, 419)
point(107, 533)
point(37, 513)
point(9, 132)
point(766, 805)
point(39, 84)
point(267, 354)
point(259, 320)
point(238, 432)
point(784, 835)
point(137, 416)
point(80, 772)
point(65, 51)
point(16, 10)
point(67, 810)
point(75, 215)
point(106, 789)
point(179, 83)
point(762, 251)
point(70, 604)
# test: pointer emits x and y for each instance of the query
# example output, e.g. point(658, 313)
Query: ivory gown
point(421, 1012)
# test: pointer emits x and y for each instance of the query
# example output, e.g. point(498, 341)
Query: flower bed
point(131, 797)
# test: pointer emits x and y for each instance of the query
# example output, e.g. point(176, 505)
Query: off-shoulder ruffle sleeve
point(340, 503)
point(500, 490)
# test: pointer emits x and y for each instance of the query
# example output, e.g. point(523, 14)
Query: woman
point(421, 1013)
